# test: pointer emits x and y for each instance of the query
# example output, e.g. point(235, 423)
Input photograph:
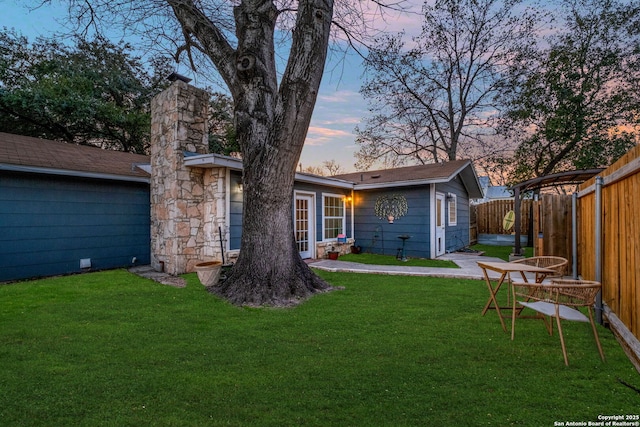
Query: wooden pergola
point(553, 180)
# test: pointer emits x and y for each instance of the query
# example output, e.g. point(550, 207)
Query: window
point(453, 208)
point(333, 216)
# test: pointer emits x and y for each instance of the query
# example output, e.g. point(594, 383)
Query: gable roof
point(417, 175)
point(36, 155)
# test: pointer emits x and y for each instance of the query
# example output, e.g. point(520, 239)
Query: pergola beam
point(553, 180)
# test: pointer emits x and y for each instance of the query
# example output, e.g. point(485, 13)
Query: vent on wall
point(85, 263)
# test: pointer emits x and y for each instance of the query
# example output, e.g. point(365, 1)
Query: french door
point(440, 224)
point(303, 224)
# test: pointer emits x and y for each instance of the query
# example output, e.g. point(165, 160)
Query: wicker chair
point(560, 299)
point(556, 263)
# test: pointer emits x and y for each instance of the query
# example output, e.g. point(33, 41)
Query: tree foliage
point(577, 105)
point(433, 99)
point(93, 93)
point(222, 134)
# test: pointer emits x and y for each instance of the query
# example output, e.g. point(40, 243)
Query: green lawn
point(113, 349)
point(501, 251)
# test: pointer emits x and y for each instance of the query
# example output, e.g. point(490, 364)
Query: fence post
point(517, 250)
point(574, 235)
point(598, 245)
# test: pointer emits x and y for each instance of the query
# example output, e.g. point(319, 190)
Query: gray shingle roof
point(417, 175)
point(435, 171)
point(56, 157)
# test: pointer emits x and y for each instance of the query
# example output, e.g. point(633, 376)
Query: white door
point(440, 224)
point(304, 225)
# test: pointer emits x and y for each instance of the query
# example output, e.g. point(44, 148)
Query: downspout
point(432, 221)
point(574, 236)
point(598, 245)
point(353, 230)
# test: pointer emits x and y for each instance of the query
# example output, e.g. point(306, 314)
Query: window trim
point(452, 199)
point(341, 197)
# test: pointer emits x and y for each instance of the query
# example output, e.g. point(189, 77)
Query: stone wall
point(181, 198)
point(323, 248)
point(215, 184)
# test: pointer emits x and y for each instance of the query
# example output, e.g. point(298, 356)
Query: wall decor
point(391, 207)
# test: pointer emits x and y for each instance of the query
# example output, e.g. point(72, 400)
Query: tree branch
point(211, 40)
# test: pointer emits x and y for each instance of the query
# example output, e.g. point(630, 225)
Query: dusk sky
point(338, 110)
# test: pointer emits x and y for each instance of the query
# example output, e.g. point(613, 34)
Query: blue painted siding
point(457, 236)
point(236, 202)
point(378, 236)
point(48, 223)
point(374, 234)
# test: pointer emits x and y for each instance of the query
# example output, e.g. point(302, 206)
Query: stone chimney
point(178, 124)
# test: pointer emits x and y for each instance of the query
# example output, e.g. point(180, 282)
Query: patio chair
point(556, 263)
point(560, 299)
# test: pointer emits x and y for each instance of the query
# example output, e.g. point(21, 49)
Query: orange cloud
point(321, 135)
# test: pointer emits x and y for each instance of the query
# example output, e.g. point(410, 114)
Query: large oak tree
point(272, 111)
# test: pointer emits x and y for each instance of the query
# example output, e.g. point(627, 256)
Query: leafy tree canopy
point(94, 92)
point(222, 134)
point(576, 107)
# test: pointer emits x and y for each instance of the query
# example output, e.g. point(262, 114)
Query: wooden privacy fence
point(552, 226)
point(619, 240)
point(489, 216)
point(549, 216)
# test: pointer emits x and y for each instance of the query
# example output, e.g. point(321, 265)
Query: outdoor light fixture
point(240, 187)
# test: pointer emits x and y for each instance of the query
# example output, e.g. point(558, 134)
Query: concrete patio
point(468, 267)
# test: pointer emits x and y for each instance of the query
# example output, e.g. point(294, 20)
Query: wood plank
point(628, 341)
point(621, 237)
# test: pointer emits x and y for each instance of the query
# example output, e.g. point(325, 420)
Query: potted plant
point(333, 254)
point(209, 272)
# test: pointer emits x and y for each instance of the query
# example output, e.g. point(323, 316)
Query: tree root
point(274, 288)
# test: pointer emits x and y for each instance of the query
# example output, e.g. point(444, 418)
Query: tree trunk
point(269, 270)
point(271, 126)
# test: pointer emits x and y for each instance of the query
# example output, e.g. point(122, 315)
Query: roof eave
point(212, 160)
point(392, 184)
point(470, 180)
point(72, 173)
point(217, 160)
point(323, 180)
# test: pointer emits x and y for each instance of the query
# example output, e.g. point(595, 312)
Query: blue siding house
point(436, 197)
point(425, 208)
point(322, 210)
point(335, 213)
point(66, 208)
